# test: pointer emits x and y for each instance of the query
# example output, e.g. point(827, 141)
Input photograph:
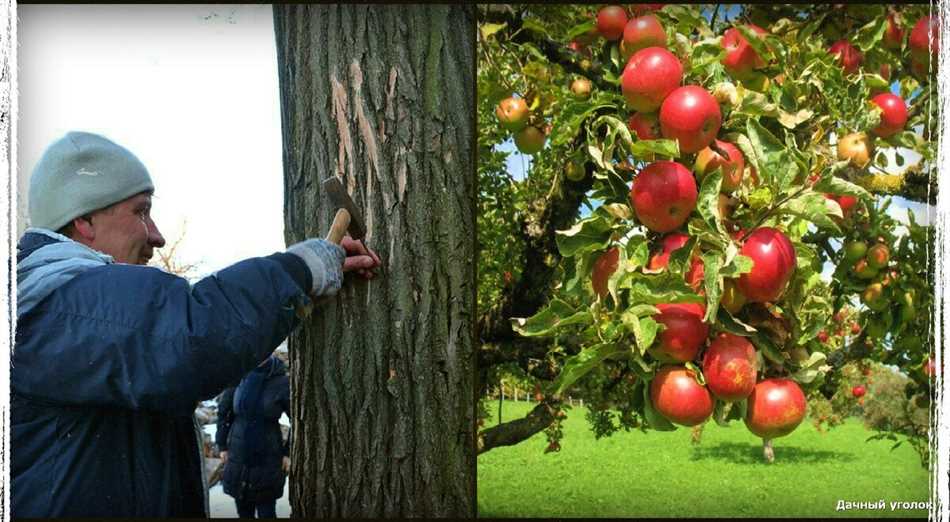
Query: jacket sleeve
point(137, 337)
point(225, 418)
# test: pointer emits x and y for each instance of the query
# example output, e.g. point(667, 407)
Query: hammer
point(347, 218)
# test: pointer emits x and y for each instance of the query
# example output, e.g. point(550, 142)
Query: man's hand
point(285, 465)
point(359, 258)
point(224, 457)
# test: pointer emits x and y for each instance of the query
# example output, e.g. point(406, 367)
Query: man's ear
point(85, 232)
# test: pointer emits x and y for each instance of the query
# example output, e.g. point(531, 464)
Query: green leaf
point(705, 53)
point(707, 203)
point(737, 264)
point(644, 330)
point(582, 268)
point(811, 27)
point(579, 365)
point(836, 185)
point(754, 103)
point(653, 417)
point(490, 29)
point(768, 348)
point(756, 42)
point(580, 29)
point(588, 235)
point(697, 373)
point(767, 155)
point(727, 323)
point(870, 34)
point(644, 149)
point(813, 207)
point(711, 265)
point(570, 120)
point(638, 254)
point(666, 287)
point(530, 24)
point(557, 314)
point(811, 369)
point(760, 198)
point(791, 120)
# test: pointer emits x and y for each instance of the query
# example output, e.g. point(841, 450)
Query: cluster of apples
point(774, 407)
point(924, 45)
point(513, 115)
point(925, 31)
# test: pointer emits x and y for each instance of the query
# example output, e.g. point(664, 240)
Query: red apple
point(863, 270)
point(671, 243)
point(645, 125)
point(849, 57)
point(741, 59)
point(823, 336)
point(663, 195)
point(921, 49)
point(512, 113)
point(773, 264)
point(856, 147)
point(685, 331)
point(733, 165)
point(855, 329)
point(642, 32)
point(529, 140)
point(894, 114)
point(878, 255)
point(873, 296)
point(691, 116)
point(611, 21)
point(775, 408)
point(893, 35)
point(604, 267)
point(929, 368)
point(846, 203)
point(729, 367)
point(581, 88)
point(577, 47)
point(858, 391)
point(676, 395)
point(649, 76)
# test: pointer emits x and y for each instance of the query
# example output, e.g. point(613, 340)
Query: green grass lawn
point(662, 474)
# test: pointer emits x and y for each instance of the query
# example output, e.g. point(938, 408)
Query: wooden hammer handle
point(341, 222)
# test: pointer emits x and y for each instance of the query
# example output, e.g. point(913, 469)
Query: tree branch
point(554, 51)
point(513, 432)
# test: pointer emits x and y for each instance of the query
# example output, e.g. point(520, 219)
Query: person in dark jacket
point(256, 459)
point(110, 357)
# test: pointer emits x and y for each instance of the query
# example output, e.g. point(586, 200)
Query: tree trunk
point(383, 376)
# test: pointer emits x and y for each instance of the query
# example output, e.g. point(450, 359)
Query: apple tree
point(703, 232)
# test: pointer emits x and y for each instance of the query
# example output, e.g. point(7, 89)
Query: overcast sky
point(190, 89)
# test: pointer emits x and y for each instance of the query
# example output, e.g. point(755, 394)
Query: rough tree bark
point(383, 376)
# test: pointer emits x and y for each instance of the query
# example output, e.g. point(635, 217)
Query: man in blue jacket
point(110, 357)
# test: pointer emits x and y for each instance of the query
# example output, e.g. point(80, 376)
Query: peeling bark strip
point(383, 376)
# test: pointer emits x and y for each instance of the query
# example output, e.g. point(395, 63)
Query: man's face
point(126, 231)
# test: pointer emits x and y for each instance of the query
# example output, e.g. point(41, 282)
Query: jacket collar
point(46, 261)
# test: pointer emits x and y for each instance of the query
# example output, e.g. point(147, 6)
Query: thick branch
point(541, 258)
point(513, 432)
point(910, 184)
point(554, 51)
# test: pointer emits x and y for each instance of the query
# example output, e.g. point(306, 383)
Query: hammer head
point(340, 199)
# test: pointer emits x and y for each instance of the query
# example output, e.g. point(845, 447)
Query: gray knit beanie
point(79, 173)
